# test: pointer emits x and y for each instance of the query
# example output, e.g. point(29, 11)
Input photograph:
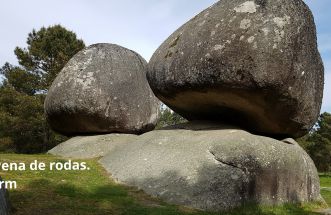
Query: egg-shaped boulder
point(102, 89)
point(250, 63)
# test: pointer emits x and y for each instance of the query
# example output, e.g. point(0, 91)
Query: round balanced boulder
point(102, 89)
point(251, 63)
point(215, 167)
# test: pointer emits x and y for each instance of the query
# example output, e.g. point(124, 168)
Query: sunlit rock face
point(251, 63)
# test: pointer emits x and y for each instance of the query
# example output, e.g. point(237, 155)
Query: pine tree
point(23, 127)
point(49, 49)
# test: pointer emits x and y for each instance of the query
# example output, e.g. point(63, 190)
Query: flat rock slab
point(215, 167)
point(86, 147)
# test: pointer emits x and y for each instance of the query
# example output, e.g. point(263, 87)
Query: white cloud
point(138, 25)
point(324, 42)
point(326, 106)
point(327, 62)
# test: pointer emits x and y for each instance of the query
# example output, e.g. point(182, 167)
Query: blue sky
point(139, 25)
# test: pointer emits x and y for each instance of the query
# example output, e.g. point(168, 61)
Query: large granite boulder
point(215, 167)
point(102, 89)
point(251, 63)
point(4, 203)
point(87, 147)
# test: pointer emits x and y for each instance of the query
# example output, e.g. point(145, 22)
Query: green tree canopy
point(19, 79)
point(324, 126)
point(48, 50)
point(318, 143)
point(168, 117)
point(23, 127)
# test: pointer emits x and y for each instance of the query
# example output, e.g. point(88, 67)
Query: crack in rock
point(227, 163)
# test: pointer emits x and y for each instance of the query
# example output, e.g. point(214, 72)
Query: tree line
point(318, 143)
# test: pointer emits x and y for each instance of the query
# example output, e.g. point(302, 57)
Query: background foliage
point(23, 127)
point(169, 117)
point(318, 143)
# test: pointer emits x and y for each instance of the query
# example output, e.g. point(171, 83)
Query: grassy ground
point(326, 187)
point(91, 192)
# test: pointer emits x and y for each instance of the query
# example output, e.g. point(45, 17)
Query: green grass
point(92, 192)
point(326, 183)
point(325, 179)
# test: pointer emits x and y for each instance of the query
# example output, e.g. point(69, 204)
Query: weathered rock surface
point(102, 89)
point(215, 167)
point(251, 63)
point(4, 205)
point(86, 147)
